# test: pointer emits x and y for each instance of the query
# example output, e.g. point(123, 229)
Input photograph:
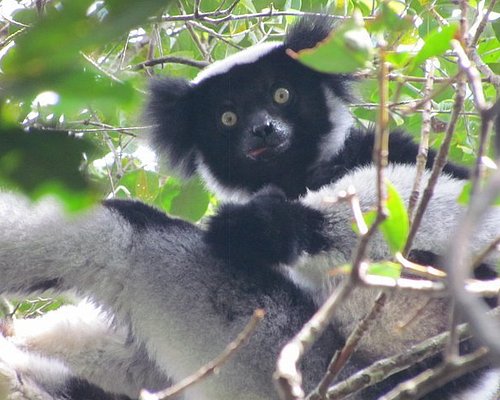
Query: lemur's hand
point(267, 230)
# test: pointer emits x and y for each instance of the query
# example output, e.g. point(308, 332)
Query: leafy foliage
point(89, 55)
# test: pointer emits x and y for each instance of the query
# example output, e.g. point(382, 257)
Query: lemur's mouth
point(256, 153)
point(267, 152)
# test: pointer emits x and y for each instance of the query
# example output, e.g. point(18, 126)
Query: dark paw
point(268, 230)
point(270, 192)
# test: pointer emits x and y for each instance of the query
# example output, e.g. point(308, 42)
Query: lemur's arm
point(267, 230)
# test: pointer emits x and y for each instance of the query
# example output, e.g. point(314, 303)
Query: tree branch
point(169, 60)
point(389, 366)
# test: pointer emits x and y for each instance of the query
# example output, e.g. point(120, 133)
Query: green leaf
point(398, 58)
point(495, 67)
point(188, 200)
point(168, 192)
point(142, 184)
point(346, 50)
point(47, 56)
point(388, 269)
point(389, 18)
point(496, 28)
point(40, 163)
point(395, 227)
point(436, 43)
point(464, 196)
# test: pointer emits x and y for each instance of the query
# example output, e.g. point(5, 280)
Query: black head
point(256, 118)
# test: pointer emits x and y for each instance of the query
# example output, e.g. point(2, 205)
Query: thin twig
point(224, 16)
point(451, 351)
point(287, 378)
point(394, 76)
point(432, 379)
point(424, 138)
point(482, 24)
point(381, 145)
point(485, 252)
point(341, 357)
point(472, 74)
point(489, 288)
point(170, 60)
point(493, 78)
point(423, 271)
point(438, 166)
point(431, 288)
point(213, 365)
point(100, 68)
point(456, 260)
point(215, 34)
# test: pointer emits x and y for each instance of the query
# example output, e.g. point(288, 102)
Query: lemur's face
point(256, 118)
point(261, 122)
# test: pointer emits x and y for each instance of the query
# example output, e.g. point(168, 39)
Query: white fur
point(224, 193)
point(83, 338)
point(341, 120)
point(28, 376)
point(159, 285)
point(431, 236)
point(487, 389)
point(246, 56)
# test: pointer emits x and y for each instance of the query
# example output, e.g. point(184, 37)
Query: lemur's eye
point(281, 95)
point(229, 119)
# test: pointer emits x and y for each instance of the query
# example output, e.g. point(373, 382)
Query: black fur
point(308, 32)
point(269, 230)
point(358, 152)
point(80, 389)
point(170, 108)
point(141, 216)
point(44, 285)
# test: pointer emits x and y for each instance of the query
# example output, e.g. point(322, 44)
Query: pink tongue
point(257, 152)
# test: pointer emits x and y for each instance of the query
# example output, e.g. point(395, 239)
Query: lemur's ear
point(169, 111)
point(308, 31)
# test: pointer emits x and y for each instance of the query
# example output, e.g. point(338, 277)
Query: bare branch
point(438, 166)
point(100, 68)
point(489, 288)
point(341, 357)
point(471, 73)
point(455, 260)
point(169, 60)
point(386, 367)
point(416, 285)
point(482, 24)
point(424, 137)
point(431, 379)
point(424, 271)
point(287, 377)
point(221, 16)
